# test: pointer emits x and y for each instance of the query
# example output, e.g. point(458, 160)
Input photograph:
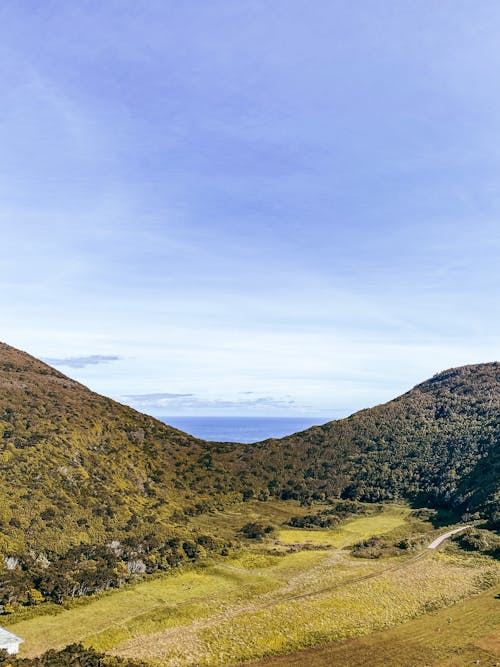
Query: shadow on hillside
point(483, 479)
point(439, 517)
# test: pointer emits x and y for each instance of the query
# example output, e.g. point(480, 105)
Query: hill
point(91, 491)
point(76, 466)
point(437, 444)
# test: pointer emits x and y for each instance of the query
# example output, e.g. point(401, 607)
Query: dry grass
point(457, 636)
point(244, 633)
point(149, 606)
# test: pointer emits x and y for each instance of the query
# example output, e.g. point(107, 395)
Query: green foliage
point(349, 532)
point(86, 570)
point(482, 541)
point(334, 515)
point(437, 445)
point(378, 547)
point(255, 530)
point(74, 655)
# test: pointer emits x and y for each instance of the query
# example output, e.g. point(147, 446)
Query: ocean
point(241, 429)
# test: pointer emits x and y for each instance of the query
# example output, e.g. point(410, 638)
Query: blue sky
point(269, 208)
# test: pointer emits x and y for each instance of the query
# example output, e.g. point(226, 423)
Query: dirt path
point(439, 540)
point(255, 573)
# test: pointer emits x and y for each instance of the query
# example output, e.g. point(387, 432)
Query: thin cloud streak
point(153, 398)
point(82, 362)
point(180, 403)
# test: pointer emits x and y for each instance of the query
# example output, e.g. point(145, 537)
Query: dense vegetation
point(483, 541)
point(33, 578)
point(438, 444)
point(78, 467)
point(74, 655)
point(333, 515)
point(93, 492)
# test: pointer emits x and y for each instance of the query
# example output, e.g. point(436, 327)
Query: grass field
point(228, 522)
point(144, 608)
point(263, 629)
point(352, 531)
point(267, 599)
point(467, 633)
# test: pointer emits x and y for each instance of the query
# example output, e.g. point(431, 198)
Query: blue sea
point(241, 429)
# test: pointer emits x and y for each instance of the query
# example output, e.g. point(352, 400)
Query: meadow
point(467, 633)
point(352, 531)
point(288, 592)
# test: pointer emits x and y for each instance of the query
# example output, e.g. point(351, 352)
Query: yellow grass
point(464, 634)
point(174, 598)
point(260, 628)
point(181, 598)
point(353, 531)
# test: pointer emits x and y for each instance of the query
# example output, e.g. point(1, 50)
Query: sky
point(253, 207)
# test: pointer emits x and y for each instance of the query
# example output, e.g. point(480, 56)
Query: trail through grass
point(359, 608)
point(150, 605)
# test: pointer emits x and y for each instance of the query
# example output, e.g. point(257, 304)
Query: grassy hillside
point(91, 492)
point(79, 467)
point(76, 466)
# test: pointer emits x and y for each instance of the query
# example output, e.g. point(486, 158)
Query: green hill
point(437, 444)
point(78, 467)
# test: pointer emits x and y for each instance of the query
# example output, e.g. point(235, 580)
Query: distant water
point(241, 429)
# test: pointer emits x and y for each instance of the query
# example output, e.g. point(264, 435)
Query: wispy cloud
point(81, 362)
point(153, 398)
point(181, 402)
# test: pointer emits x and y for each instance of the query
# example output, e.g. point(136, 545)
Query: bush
point(256, 530)
point(482, 541)
point(74, 655)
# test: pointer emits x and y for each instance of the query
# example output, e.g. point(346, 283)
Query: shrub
point(256, 530)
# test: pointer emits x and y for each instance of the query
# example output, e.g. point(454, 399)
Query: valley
point(250, 350)
point(152, 547)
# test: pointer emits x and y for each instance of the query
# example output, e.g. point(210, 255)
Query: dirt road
point(445, 536)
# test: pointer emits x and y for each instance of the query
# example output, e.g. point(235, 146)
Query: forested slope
point(438, 443)
point(78, 467)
